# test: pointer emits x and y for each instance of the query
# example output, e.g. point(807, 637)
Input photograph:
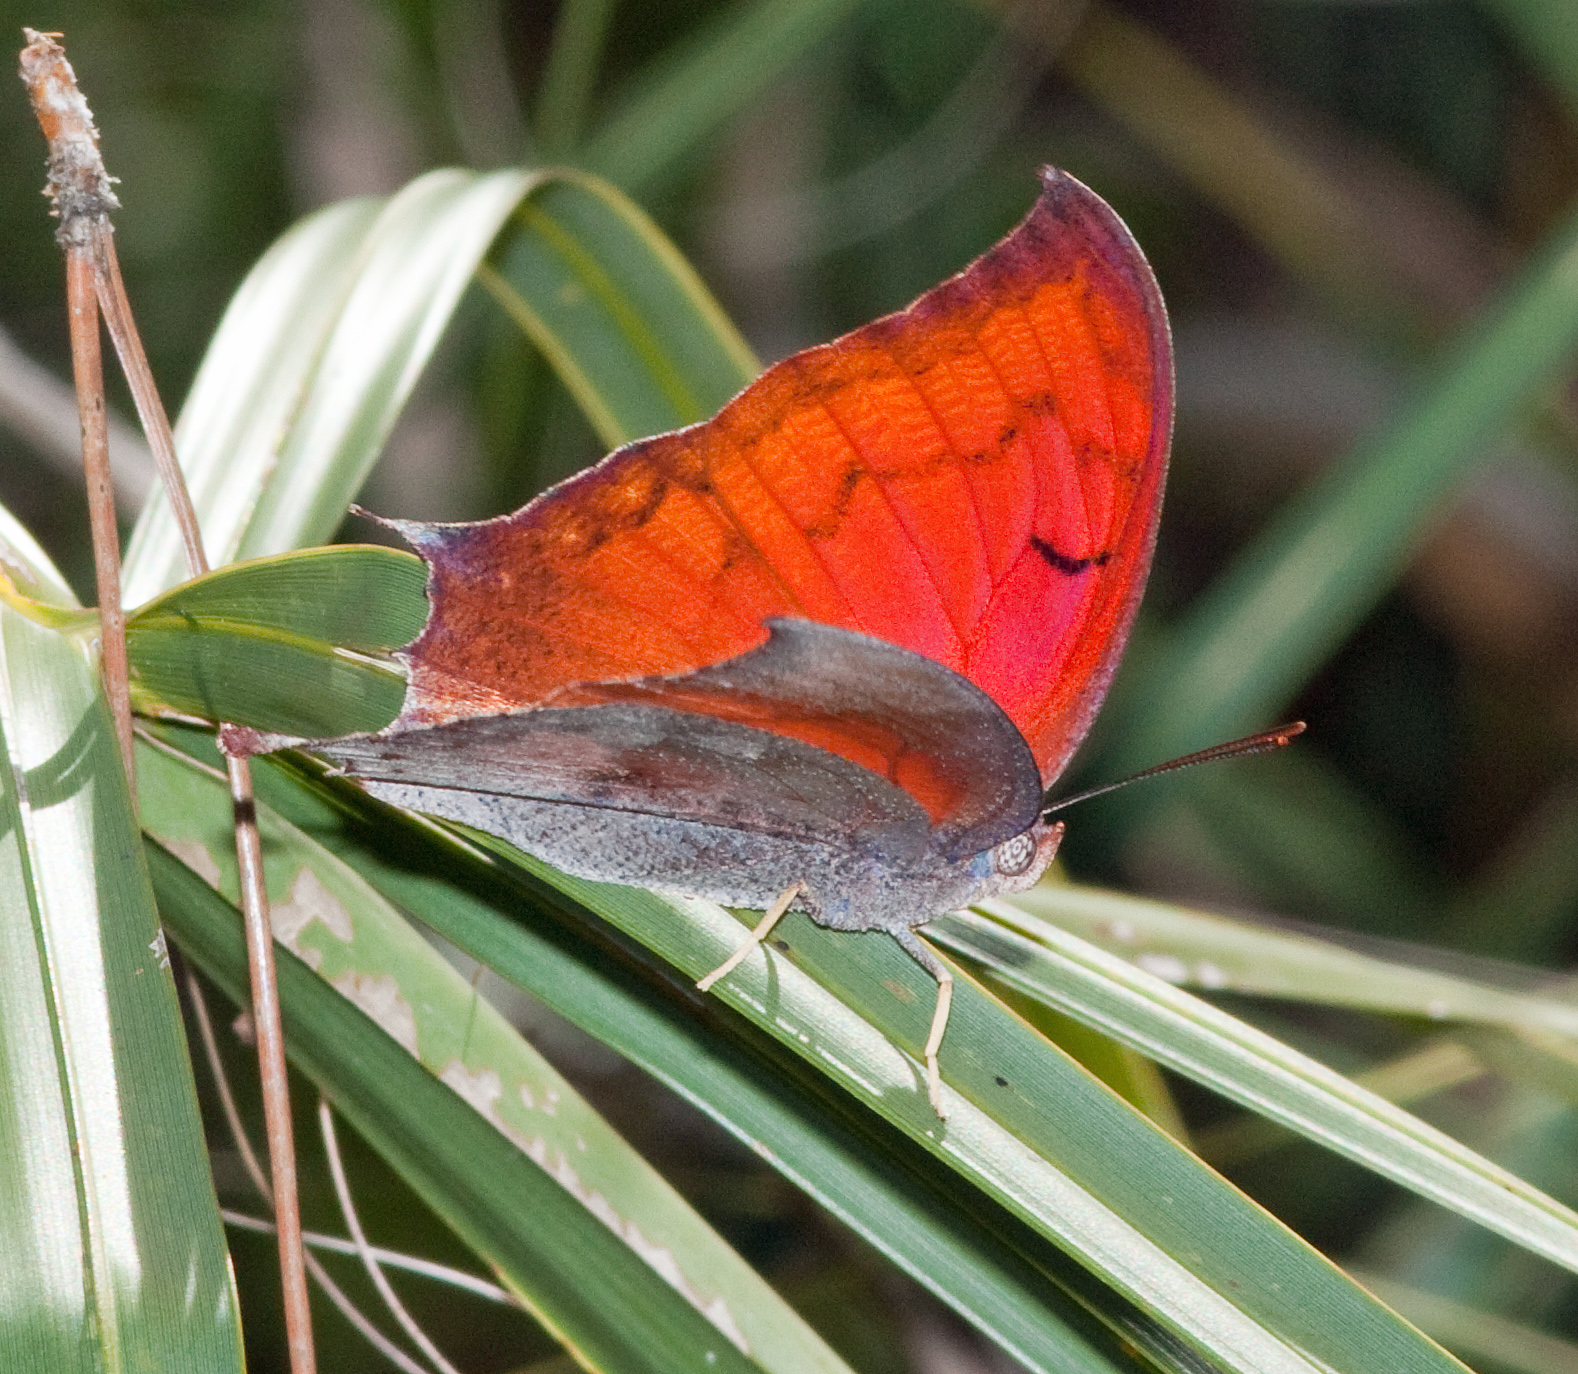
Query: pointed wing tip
point(421, 535)
point(1056, 182)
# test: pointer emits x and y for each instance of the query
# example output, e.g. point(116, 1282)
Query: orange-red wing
point(976, 478)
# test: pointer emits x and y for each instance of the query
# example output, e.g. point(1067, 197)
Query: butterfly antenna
point(1263, 743)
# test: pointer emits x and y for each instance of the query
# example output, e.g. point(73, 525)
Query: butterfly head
point(1019, 862)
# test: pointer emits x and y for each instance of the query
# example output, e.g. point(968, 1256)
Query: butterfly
point(826, 650)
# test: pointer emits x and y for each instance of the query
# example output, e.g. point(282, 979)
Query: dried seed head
point(78, 183)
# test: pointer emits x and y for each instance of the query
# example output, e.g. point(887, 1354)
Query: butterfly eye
point(1013, 857)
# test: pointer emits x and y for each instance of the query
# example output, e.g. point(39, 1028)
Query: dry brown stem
point(80, 189)
point(145, 395)
point(87, 367)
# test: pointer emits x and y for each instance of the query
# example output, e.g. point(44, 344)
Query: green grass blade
point(1290, 599)
point(1040, 960)
point(1021, 1106)
point(322, 345)
point(248, 391)
point(270, 680)
point(624, 320)
point(417, 259)
point(273, 468)
point(363, 597)
point(1199, 949)
point(570, 74)
point(561, 1152)
point(691, 91)
point(609, 1307)
point(1476, 1333)
point(113, 1256)
point(1028, 1092)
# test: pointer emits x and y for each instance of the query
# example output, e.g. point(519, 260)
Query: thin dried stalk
point(145, 394)
point(271, 1066)
point(80, 189)
point(88, 371)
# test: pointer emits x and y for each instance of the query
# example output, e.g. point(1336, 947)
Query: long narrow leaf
point(417, 259)
point(1215, 953)
point(579, 1278)
point(1010, 1286)
point(296, 644)
point(113, 1255)
point(634, 336)
point(322, 345)
point(274, 469)
point(1040, 960)
point(248, 391)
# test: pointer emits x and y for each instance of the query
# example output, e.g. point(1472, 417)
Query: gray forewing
point(648, 761)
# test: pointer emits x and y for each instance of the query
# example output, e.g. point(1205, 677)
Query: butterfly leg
point(911, 944)
point(764, 927)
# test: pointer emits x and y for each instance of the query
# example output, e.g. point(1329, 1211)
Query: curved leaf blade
point(283, 644)
point(356, 596)
point(636, 338)
point(545, 943)
point(248, 390)
point(1201, 949)
point(1140, 1210)
point(416, 261)
point(502, 1210)
point(1042, 961)
point(323, 343)
point(329, 334)
point(28, 567)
